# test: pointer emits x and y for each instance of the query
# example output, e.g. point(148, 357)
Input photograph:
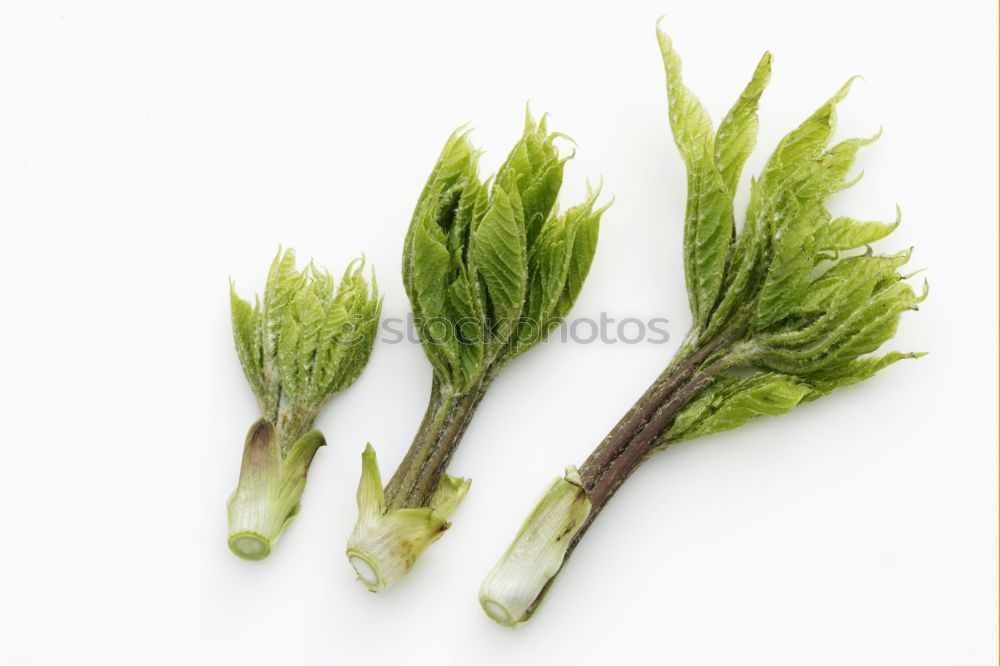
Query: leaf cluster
point(786, 292)
point(308, 338)
point(491, 267)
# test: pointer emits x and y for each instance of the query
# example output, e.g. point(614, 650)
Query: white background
point(148, 151)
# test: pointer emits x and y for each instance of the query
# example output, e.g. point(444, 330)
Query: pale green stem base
point(270, 487)
point(385, 543)
point(516, 585)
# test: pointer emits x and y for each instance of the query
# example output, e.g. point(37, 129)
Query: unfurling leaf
point(708, 221)
point(729, 403)
point(499, 250)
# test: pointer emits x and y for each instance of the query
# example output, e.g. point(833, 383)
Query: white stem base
point(514, 587)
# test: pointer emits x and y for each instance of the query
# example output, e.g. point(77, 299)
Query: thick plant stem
point(618, 455)
point(417, 478)
point(634, 435)
point(604, 477)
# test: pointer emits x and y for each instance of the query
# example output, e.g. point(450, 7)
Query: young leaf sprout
point(490, 269)
point(787, 301)
point(305, 342)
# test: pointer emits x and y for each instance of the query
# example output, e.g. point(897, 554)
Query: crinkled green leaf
point(708, 222)
point(499, 248)
point(851, 373)
point(828, 175)
point(558, 266)
point(358, 312)
point(288, 357)
point(431, 265)
point(467, 314)
point(745, 273)
point(549, 266)
point(801, 146)
point(456, 160)
point(473, 196)
point(729, 403)
point(283, 281)
point(844, 233)
point(737, 133)
point(784, 213)
point(309, 312)
point(795, 216)
point(438, 272)
point(836, 295)
point(787, 278)
point(537, 173)
point(582, 226)
point(853, 332)
point(246, 334)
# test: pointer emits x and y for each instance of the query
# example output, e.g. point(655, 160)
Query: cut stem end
point(270, 487)
point(385, 543)
point(497, 613)
point(514, 588)
point(366, 570)
point(249, 545)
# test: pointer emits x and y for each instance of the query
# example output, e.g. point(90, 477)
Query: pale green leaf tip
point(533, 127)
point(313, 439)
point(234, 295)
point(846, 88)
point(895, 224)
point(460, 134)
point(761, 76)
point(529, 119)
point(593, 193)
point(282, 253)
point(459, 140)
point(449, 494)
point(565, 137)
point(369, 468)
point(371, 497)
point(925, 293)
